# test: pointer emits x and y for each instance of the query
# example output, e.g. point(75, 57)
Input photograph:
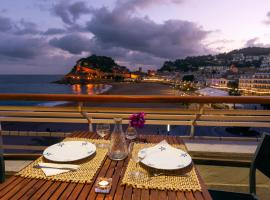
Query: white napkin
point(51, 169)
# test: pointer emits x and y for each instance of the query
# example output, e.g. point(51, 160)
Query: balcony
point(203, 123)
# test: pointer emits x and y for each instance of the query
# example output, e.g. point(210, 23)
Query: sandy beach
point(127, 88)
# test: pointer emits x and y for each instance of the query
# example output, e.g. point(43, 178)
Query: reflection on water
point(76, 89)
point(89, 89)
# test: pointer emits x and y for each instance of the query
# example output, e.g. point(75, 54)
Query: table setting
point(161, 166)
point(151, 165)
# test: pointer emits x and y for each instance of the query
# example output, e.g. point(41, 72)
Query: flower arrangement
point(137, 120)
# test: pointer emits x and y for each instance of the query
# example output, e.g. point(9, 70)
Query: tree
point(188, 78)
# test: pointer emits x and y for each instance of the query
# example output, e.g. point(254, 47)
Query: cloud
point(5, 24)
point(128, 38)
point(130, 5)
point(54, 31)
point(70, 12)
point(21, 27)
point(171, 39)
point(254, 42)
point(21, 47)
point(25, 27)
point(267, 21)
point(73, 43)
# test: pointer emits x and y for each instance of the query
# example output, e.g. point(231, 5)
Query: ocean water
point(42, 84)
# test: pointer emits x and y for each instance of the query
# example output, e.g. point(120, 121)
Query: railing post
point(89, 119)
point(2, 162)
point(80, 105)
point(193, 123)
point(84, 114)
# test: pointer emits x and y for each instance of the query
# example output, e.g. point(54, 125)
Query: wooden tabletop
point(27, 188)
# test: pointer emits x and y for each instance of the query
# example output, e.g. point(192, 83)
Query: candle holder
point(103, 185)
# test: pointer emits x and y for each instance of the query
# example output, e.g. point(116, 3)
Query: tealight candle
point(103, 183)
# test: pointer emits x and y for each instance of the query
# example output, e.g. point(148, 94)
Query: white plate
point(69, 151)
point(164, 157)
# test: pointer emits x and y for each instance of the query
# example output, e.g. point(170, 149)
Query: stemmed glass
point(103, 130)
point(136, 158)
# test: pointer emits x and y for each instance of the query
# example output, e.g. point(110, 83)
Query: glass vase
point(118, 148)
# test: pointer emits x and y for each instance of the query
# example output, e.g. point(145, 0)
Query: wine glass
point(103, 130)
point(136, 158)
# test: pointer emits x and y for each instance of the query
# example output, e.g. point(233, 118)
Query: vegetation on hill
point(103, 63)
point(192, 63)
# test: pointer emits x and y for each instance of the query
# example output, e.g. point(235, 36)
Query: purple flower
point(137, 120)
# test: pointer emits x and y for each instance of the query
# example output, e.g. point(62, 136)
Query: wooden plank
point(24, 147)
point(39, 114)
point(234, 118)
point(92, 195)
point(41, 190)
point(14, 189)
point(180, 195)
point(116, 178)
point(66, 191)
point(153, 194)
point(189, 196)
point(7, 182)
point(162, 195)
point(50, 190)
point(137, 98)
point(236, 112)
point(51, 120)
point(75, 193)
point(33, 189)
point(136, 193)
point(109, 174)
point(39, 108)
point(198, 195)
point(127, 195)
point(248, 124)
point(10, 186)
point(172, 195)
point(145, 194)
point(24, 189)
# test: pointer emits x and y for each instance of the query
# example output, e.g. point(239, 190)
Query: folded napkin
point(51, 169)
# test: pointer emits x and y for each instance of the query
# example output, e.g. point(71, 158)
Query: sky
point(49, 36)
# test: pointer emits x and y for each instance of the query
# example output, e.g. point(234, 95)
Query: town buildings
point(256, 84)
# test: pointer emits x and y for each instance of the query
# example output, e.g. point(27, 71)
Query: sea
point(43, 84)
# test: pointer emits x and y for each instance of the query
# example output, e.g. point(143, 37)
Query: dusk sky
point(48, 36)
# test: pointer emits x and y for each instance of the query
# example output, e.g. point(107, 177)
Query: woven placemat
point(187, 182)
point(85, 174)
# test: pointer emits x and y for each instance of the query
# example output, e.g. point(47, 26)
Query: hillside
point(103, 63)
point(223, 59)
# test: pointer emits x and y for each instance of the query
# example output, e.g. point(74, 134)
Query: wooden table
point(26, 188)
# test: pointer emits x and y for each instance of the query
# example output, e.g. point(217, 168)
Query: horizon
point(47, 37)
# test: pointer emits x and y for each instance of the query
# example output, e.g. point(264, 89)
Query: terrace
point(217, 157)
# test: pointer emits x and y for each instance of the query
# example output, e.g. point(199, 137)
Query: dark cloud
point(25, 27)
point(70, 12)
point(267, 21)
point(5, 24)
point(21, 47)
point(73, 43)
point(171, 39)
point(54, 31)
point(130, 5)
point(254, 42)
